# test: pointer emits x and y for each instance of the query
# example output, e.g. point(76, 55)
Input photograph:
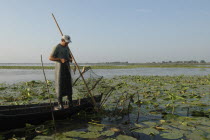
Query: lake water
point(17, 75)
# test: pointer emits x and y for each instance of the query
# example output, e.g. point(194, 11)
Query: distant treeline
point(183, 62)
point(117, 62)
point(163, 62)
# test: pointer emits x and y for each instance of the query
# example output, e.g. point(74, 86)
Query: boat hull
point(18, 116)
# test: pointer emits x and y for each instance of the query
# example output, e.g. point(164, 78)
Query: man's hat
point(67, 38)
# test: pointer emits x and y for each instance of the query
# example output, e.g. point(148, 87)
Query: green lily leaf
point(139, 125)
point(150, 124)
point(110, 139)
point(108, 133)
point(193, 136)
point(91, 135)
point(203, 128)
point(172, 135)
point(124, 137)
point(208, 136)
point(73, 133)
point(148, 131)
point(95, 128)
point(43, 138)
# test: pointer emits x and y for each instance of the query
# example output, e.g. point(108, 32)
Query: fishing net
point(92, 80)
point(95, 84)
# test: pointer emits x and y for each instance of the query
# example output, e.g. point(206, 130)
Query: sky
point(136, 31)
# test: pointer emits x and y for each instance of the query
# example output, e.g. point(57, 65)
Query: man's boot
point(60, 103)
point(70, 101)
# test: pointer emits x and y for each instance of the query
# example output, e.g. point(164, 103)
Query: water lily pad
point(162, 121)
point(139, 125)
point(172, 135)
point(108, 133)
point(148, 131)
point(193, 136)
point(208, 136)
point(159, 128)
point(181, 118)
point(168, 127)
point(62, 137)
point(91, 135)
point(199, 132)
point(73, 133)
point(125, 137)
point(114, 129)
point(43, 138)
point(150, 124)
point(203, 121)
point(186, 127)
point(110, 139)
point(170, 116)
point(95, 128)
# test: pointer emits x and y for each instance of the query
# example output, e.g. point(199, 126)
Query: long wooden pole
point(48, 91)
point(89, 92)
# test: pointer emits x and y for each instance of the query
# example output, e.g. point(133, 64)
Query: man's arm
point(54, 54)
point(57, 59)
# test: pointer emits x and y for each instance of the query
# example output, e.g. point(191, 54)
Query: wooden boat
point(17, 116)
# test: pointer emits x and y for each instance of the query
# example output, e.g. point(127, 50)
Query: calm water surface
point(18, 75)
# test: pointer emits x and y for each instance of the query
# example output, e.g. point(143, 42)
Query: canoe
point(17, 116)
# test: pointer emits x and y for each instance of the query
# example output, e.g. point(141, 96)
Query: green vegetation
point(171, 107)
point(129, 66)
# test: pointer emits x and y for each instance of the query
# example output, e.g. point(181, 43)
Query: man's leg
point(69, 96)
point(60, 102)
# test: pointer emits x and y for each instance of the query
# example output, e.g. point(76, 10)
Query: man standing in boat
point(63, 82)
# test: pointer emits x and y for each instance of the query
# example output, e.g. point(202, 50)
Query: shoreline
point(110, 66)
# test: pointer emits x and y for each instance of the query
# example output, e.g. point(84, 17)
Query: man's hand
point(57, 59)
point(63, 60)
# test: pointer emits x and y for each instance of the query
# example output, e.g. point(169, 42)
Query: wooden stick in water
point(48, 91)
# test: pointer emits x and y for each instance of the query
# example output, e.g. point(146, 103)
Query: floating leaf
point(170, 116)
point(150, 124)
point(91, 135)
point(115, 129)
point(108, 133)
point(203, 121)
point(172, 135)
point(95, 128)
point(73, 133)
point(193, 136)
point(43, 138)
point(204, 128)
point(139, 125)
point(147, 131)
point(159, 128)
point(125, 137)
point(185, 127)
point(168, 127)
point(162, 121)
point(208, 136)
